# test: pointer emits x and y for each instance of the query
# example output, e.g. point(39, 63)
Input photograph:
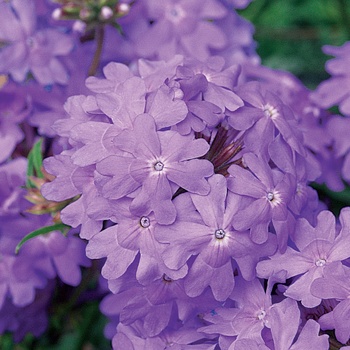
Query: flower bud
point(79, 26)
point(123, 9)
point(57, 14)
point(106, 13)
point(84, 14)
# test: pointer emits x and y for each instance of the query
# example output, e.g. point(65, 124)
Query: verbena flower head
point(198, 180)
point(189, 177)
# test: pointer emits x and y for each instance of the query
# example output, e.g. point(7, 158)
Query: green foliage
point(290, 34)
point(335, 200)
point(81, 329)
point(35, 163)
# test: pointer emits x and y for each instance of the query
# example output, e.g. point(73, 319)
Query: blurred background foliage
point(290, 34)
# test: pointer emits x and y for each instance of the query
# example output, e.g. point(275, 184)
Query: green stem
point(99, 36)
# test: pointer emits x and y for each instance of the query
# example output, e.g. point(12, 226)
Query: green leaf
point(41, 231)
point(35, 162)
point(6, 342)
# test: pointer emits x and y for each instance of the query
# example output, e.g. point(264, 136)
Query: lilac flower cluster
point(205, 184)
point(185, 166)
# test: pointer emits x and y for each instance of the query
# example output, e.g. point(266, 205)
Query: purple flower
point(154, 162)
point(334, 284)
point(250, 316)
point(64, 180)
point(14, 108)
point(220, 81)
point(155, 73)
point(316, 247)
point(132, 236)
point(127, 338)
point(19, 320)
point(213, 239)
point(284, 321)
point(310, 120)
point(269, 193)
point(30, 50)
point(335, 90)
point(19, 276)
point(178, 27)
point(12, 175)
point(263, 116)
point(58, 255)
point(159, 305)
point(240, 47)
point(115, 74)
point(76, 214)
point(338, 128)
point(127, 100)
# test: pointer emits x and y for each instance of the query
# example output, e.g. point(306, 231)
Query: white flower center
point(270, 111)
point(270, 196)
point(145, 221)
point(220, 233)
point(320, 262)
point(261, 315)
point(300, 189)
point(175, 14)
point(158, 166)
point(274, 197)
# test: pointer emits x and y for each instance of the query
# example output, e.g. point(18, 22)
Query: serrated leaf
point(41, 231)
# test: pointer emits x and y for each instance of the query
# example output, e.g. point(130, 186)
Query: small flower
point(316, 248)
point(155, 162)
point(269, 194)
point(28, 49)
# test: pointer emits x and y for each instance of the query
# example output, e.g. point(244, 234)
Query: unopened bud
point(123, 8)
point(79, 26)
point(56, 14)
point(84, 14)
point(106, 12)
